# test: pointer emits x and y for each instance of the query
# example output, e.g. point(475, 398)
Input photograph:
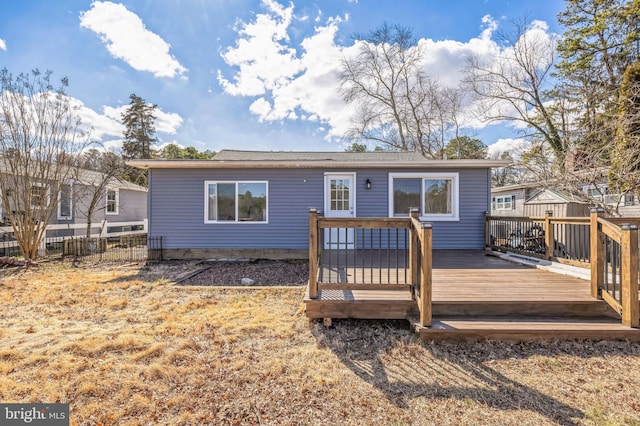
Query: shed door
point(340, 197)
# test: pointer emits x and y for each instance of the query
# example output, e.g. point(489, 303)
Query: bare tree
point(514, 84)
point(39, 132)
point(398, 104)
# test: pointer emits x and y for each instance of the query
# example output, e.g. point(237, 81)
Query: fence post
point(596, 250)
point(425, 276)
point(414, 213)
point(313, 253)
point(549, 238)
point(629, 275)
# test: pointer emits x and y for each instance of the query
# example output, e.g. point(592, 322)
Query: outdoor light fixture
point(368, 183)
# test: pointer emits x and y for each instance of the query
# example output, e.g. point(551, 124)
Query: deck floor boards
point(474, 276)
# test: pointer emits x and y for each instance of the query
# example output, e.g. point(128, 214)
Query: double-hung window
point(112, 201)
point(232, 202)
point(435, 194)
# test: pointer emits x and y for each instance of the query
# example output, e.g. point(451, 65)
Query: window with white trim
point(235, 201)
point(64, 202)
point(505, 203)
point(435, 194)
point(113, 199)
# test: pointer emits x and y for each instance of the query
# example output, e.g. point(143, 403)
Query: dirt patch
point(251, 273)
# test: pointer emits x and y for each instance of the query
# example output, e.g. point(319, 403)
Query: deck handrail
point(623, 237)
point(419, 259)
point(562, 239)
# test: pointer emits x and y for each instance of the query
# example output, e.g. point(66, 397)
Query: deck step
point(545, 308)
point(525, 329)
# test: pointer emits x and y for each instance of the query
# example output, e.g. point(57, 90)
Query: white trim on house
point(455, 195)
point(117, 201)
point(236, 218)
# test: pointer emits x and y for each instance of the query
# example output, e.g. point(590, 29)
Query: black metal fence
point(128, 248)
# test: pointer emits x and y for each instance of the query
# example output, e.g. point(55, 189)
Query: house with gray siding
point(256, 204)
point(86, 197)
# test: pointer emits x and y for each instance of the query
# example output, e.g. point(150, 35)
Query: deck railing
point(608, 246)
point(614, 265)
point(563, 239)
point(371, 254)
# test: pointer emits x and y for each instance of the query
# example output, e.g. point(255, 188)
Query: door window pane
point(340, 193)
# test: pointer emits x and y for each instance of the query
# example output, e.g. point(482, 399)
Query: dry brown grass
point(127, 348)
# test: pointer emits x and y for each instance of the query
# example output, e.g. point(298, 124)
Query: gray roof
point(91, 177)
point(236, 155)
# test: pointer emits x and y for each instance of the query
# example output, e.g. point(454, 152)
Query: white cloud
point(301, 82)
point(261, 53)
point(127, 38)
point(106, 127)
point(516, 147)
point(3, 44)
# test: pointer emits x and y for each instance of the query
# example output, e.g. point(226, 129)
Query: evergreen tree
point(139, 133)
point(464, 147)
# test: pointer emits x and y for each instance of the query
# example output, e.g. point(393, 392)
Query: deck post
point(549, 238)
point(414, 213)
point(487, 233)
point(629, 275)
point(425, 276)
point(313, 253)
point(596, 252)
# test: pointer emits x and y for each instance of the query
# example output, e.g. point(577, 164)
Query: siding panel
point(177, 207)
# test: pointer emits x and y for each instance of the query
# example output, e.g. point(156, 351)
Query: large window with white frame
point(113, 201)
point(435, 194)
point(65, 203)
point(235, 201)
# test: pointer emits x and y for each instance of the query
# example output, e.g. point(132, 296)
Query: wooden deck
point(477, 295)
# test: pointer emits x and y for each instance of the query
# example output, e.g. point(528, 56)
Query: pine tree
point(139, 135)
point(140, 130)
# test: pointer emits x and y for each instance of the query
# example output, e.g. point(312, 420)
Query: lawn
point(124, 346)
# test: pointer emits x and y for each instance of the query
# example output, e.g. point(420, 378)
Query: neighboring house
point(528, 199)
point(120, 201)
point(256, 204)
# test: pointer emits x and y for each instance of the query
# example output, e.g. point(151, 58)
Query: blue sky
point(241, 74)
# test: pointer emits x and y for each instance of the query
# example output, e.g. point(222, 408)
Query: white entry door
point(339, 201)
